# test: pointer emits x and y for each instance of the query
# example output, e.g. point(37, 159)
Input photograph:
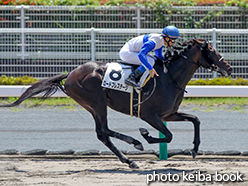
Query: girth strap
point(135, 99)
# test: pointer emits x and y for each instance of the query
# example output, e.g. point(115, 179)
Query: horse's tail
point(48, 86)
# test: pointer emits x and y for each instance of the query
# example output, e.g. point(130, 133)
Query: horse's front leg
point(179, 116)
point(156, 122)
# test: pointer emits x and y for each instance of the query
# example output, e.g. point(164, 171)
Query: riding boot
point(131, 80)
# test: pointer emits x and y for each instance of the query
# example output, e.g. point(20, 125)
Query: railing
point(192, 91)
point(47, 52)
point(39, 41)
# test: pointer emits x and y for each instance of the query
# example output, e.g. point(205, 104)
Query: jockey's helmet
point(171, 31)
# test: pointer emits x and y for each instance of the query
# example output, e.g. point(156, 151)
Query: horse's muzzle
point(224, 72)
point(229, 71)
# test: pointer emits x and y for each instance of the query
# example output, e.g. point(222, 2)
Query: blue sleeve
point(159, 52)
point(148, 46)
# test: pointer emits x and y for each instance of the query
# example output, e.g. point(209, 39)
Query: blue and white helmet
point(171, 31)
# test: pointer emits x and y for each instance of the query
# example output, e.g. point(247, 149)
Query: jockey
point(136, 52)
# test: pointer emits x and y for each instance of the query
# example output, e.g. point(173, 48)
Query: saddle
point(118, 72)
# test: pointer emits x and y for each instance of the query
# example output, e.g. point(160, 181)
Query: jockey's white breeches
point(129, 56)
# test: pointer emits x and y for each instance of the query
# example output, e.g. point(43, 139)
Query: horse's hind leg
point(98, 109)
point(100, 116)
point(96, 103)
point(125, 138)
point(128, 139)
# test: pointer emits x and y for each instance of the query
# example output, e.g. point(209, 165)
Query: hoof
point(133, 165)
point(139, 147)
point(193, 153)
point(143, 132)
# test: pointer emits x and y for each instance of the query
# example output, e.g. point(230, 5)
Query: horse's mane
point(180, 48)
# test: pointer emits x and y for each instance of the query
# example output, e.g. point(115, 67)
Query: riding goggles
point(173, 40)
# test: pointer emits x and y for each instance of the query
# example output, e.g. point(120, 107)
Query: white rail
point(193, 91)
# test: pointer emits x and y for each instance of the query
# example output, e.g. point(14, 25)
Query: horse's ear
point(196, 40)
point(204, 44)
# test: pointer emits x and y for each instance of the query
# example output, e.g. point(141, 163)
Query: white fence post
point(138, 19)
point(93, 45)
point(214, 45)
point(23, 38)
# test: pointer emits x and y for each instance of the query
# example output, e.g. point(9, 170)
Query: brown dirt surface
point(108, 171)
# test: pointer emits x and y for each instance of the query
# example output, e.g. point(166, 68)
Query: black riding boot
point(131, 80)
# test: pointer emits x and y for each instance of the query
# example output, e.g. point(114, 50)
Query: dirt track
point(67, 133)
point(111, 172)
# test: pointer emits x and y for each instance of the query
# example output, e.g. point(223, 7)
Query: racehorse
point(83, 84)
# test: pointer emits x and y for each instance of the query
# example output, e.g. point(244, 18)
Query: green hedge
point(26, 80)
point(239, 3)
point(219, 81)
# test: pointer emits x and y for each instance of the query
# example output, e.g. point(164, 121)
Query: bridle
point(212, 67)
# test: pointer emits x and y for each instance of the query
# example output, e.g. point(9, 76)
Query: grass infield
point(236, 103)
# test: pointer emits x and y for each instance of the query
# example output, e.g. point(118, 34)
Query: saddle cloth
point(116, 75)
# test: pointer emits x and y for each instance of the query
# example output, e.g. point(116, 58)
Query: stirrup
point(132, 83)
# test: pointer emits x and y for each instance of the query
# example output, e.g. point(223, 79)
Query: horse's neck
point(182, 70)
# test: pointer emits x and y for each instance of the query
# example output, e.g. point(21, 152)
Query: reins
point(174, 81)
point(190, 60)
point(154, 87)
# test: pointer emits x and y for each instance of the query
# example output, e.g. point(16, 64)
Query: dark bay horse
point(83, 84)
